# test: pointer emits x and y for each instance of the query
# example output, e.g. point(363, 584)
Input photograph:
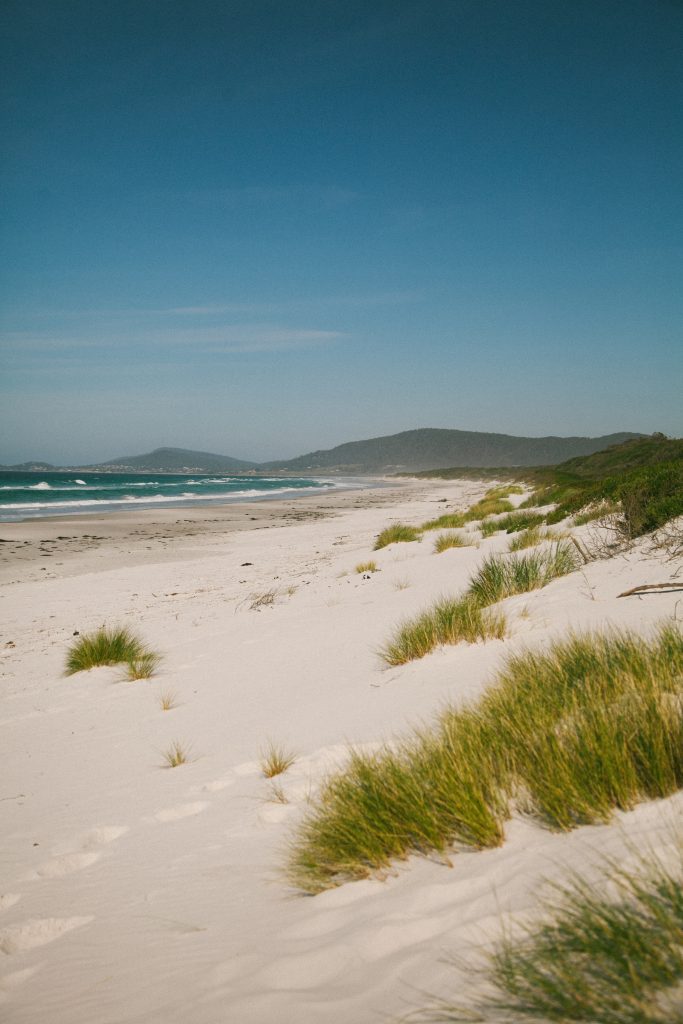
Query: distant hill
point(178, 460)
point(415, 450)
point(641, 451)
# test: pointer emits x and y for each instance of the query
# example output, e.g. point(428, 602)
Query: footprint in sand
point(181, 811)
point(217, 785)
point(78, 853)
point(38, 932)
point(13, 980)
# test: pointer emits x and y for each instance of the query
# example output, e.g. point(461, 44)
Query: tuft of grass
point(488, 527)
point(488, 507)
point(501, 576)
point(176, 755)
point(277, 794)
point(398, 533)
point(451, 540)
point(366, 567)
point(264, 600)
point(592, 724)
point(530, 538)
point(516, 521)
point(143, 666)
point(594, 958)
point(401, 584)
point(276, 760)
point(449, 521)
point(449, 621)
point(504, 491)
point(168, 700)
point(108, 647)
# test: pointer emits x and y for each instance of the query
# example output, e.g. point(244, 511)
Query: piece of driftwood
point(578, 547)
point(672, 585)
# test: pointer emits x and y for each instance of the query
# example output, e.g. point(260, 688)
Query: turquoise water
point(35, 495)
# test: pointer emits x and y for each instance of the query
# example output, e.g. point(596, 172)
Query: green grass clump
point(517, 521)
point(398, 533)
point(449, 521)
point(488, 507)
point(366, 567)
point(489, 527)
point(451, 540)
point(110, 647)
point(530, 538)
point(501, 576)
point(176, 755)
point(449, 621)
point(595, 959)
point(568, 735)
point(504, 491)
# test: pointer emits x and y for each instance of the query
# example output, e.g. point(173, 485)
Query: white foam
point(42, 486)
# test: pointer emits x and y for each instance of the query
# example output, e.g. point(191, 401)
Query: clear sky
point(260, 227)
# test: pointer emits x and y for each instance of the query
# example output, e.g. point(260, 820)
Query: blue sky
point(268, 226)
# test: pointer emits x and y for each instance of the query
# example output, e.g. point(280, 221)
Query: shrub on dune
point(398, 533)
point(111, 647)
point(516, 521)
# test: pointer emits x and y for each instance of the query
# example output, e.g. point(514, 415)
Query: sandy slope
point(134, 893)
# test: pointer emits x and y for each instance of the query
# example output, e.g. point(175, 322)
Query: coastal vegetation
point(565, 736)
point(397, 533)
point(118, 646)
point(366, 567)
point(501, 576)
point(616, 959)
point(451, 540)
point(175, 755)
point(449, 621)
point(275, 760)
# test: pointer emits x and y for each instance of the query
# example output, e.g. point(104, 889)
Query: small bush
point(108, 647)
point(398, 533)
point(599, 511)
point(501, 576)
point(366, 567)
point(276, 760)
point(450, 540)
point(449, 621)
point(450, 521)
point(651, 497)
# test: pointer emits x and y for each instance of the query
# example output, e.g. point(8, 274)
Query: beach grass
point(449, 621)
point(264, 600)
point(175, 755)
point(168, 700)
point(448, 521)
point(444, 541)
point(366, 567)
point(593, 958)
point(143, 666)
point(488, 507)
point(502, 576)
point(105, 646)
point(489, 527)
point(504, 491)
point(599, 511)
point(516, 521)
point(566, 736)
point(275, 760)
point(530, 538)
point(397, 533)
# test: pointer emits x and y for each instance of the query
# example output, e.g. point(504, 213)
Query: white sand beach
point(133, 893)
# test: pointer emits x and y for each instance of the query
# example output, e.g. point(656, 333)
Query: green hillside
point(179, 460)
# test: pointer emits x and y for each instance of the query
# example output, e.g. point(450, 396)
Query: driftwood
point(672, 585)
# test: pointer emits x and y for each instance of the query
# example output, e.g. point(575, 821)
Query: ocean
point(36, 495)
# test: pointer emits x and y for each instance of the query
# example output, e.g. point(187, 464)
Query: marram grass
point(501, 576)
point(366, 567)
point(449, 621)
point(117, 646)
point(449, 521)
point(566, 736)
point(444, 541)
point(399, 532)
point(593, 958)
point(275, 760)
